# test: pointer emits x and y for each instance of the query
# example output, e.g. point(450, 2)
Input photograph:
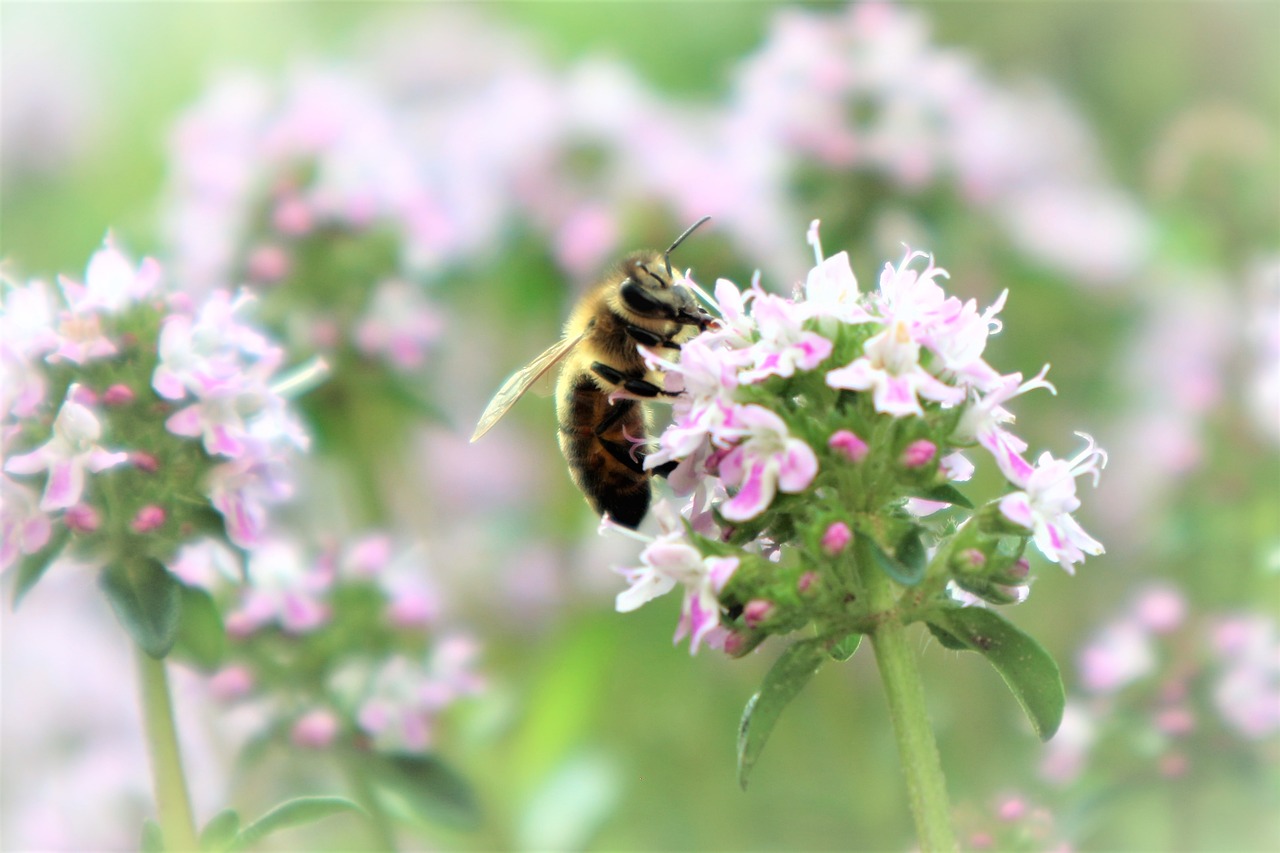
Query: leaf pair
point(1029, 671)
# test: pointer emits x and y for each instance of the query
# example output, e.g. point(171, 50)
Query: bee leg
point(638, 387)
point(650, 339)
point(623, 455)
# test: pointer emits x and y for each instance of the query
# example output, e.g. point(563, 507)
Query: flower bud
point(292, 216)
point(118, 395)
point(268, 264)
point(836, 538)
point(756, 612)
point(315, 729)
point(144, 461)
point(231, 683)
point(82, 518)
point(848, 445)
point(919, 453)
point(149, 518)
point(807, 582)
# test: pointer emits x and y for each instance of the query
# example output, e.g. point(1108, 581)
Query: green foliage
point(422, 790)
point(147, 600)
point(788, 676)
point(221, 831)
point(291, 813)
point(202, 639)
point(1028, 670)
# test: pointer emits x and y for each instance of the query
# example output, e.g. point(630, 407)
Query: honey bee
point(603, 381)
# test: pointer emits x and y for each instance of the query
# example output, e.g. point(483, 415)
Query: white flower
point(1047, 501)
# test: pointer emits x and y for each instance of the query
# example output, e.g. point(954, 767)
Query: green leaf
point(147, 601)
point(152, 838)
point(1029, 670)
point(422, 788)
point(290, 813)
point(202, 639)
point(946, 493)
point(33, 566)
point(784, 680)
point(908, 562)
point(220, 832)
point(844, 649)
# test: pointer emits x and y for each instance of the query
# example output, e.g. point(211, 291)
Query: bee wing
point(513, 389)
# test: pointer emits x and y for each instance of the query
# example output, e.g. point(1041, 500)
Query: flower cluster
point(836, 418)
point(135, 419)
point(1154, 676)
point(343, 643)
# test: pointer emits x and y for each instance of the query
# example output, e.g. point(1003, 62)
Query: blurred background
point(420, 192)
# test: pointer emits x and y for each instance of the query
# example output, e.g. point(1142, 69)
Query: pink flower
point(242, 489)
point(1047, 501)
point(72, 451)
point(1119, 655)
point(284, 587)
point(983, 421)
point(891, 369)
point(767, 459)
point(24, 528)
point(668, 560)
point(784, 345)
point(399, 325)
point(111, 281)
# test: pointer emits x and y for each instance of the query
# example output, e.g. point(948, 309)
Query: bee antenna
point(666, 256)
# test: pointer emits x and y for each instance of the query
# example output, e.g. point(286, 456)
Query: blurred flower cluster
point(344, 645)
point(136, 418)
point(1157, 678)
point(804, 425)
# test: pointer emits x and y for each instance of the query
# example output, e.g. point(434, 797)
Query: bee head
point(651, 290)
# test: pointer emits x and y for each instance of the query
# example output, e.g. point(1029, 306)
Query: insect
point(603, 380)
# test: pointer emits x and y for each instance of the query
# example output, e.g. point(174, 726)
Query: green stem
point(381, 829)
point(926, 786)
point(173, 803)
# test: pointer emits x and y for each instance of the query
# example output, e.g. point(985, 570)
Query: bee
point(603, 381)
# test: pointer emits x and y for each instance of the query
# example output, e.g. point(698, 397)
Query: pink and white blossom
point(767, 459)
point(668, 560)
point(1046, 501)
point(71, 454)
point(892, 371)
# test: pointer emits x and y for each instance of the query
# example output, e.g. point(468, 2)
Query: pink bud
point(1020, 569)
point(848, 445)
point(973, 559)
point(734, 644)
point(1161, 609)
point(268, 264)
point(1011, 809)
point(1174, 765)
point(1176, 721)
point(806, 582)
point(836, 538)
point(919, 453)
point(231, 683)
point(292, 216)
point(149, 518)
point(82, 518)
point(144, 461)
point(315, 729)
point(84, 396)
point(756, 612)
point(118, 395)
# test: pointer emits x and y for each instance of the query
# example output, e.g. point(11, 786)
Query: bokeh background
point(1116, 166)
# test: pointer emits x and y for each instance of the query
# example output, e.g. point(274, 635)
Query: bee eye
point(641, 302)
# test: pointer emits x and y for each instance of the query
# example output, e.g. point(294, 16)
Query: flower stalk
point(926, 785)
point(173, 802)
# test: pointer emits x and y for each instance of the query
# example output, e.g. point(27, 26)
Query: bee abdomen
point(610, 486)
